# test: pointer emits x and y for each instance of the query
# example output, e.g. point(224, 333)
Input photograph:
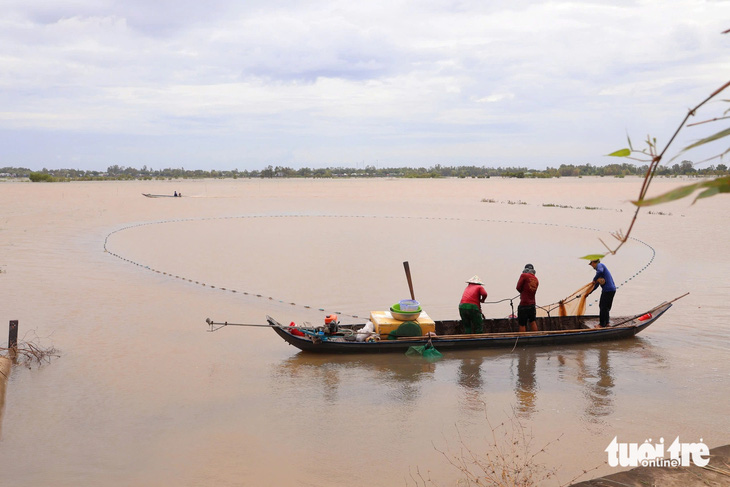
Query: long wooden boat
point(552, 331)
point(161, 195)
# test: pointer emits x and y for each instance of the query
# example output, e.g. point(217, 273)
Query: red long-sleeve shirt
point(527, 286)
point(472, 295)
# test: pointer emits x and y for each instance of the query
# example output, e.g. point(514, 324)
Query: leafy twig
point(719, 185)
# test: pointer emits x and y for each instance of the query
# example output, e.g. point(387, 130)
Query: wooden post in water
point(5, 366)
point(13, 340)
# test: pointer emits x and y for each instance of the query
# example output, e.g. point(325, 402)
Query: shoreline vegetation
point(117, 173)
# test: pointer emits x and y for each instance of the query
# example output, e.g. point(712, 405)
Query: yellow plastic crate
point(385, 323)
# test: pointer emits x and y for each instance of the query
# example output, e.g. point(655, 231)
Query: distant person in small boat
point(470, 307)
point(527, 286)
point(604, 279)
point(175, 194)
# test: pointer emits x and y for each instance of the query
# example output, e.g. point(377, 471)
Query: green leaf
point(711, 138)
point(707, 193)
point(713, 187)
point(672, 195)
point(620, 153)
point(593, 256)
point(716, 186)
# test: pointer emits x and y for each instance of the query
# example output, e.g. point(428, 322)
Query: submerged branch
point(29, 354)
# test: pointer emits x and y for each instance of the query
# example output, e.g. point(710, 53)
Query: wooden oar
point(650, 311)
point(408, 276)
point(218, 326)
point(515, 334)
point(673, 300)
point(225, 323)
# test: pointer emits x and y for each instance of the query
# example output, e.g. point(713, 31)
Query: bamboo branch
point(656, 158)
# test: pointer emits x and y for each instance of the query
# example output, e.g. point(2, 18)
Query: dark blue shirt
point(602, 271)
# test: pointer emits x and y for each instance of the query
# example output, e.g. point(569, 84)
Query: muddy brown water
point(143, 395)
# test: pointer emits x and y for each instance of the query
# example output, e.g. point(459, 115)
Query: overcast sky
point(227, 84)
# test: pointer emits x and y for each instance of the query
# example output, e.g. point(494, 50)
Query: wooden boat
point(552, 331)
point(161, 195)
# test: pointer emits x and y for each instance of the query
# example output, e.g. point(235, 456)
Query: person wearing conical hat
point(527, 286)
point(470, 307)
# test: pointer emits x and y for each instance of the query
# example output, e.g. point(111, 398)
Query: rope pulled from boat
point(501, 300)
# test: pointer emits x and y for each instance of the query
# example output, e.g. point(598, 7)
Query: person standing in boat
point(470, 307)
point(604, 279)
point(527, 286)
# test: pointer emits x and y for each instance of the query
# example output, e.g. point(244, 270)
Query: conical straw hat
point(475, 280)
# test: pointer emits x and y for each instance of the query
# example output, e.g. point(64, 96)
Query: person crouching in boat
point(470, 307)
point(527, 286)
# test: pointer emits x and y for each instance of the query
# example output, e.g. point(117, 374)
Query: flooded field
point(144, 395)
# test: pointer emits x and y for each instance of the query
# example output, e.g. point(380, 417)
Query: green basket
point(396, 308)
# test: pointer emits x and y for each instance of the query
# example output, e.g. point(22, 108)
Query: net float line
point(324, 308)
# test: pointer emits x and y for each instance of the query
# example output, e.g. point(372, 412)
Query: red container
point(293, 330)
point(645, 317)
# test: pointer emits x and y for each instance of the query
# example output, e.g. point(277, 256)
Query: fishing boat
point(556, 330)
point(405, 330)
point(161, 195)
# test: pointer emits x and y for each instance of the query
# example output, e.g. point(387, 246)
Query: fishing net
point(427, 351)
point(407, 329)
point(572, 305)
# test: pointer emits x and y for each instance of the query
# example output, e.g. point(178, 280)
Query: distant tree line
point(116, 172)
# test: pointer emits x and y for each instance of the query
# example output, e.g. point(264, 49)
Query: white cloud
point(356, 80)
point(495, 97)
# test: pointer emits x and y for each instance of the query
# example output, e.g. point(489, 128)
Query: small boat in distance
point(176, 195)
point(555, 330)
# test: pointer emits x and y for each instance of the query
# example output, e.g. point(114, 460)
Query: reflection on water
point(326, 375)
point(592, 369)
point(598, 384)
point(470, 380)
point(332, 378)
point(525, 383)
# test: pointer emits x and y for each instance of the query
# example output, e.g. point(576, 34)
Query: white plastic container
point(409, 305)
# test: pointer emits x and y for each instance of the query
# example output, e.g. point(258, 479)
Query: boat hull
point(627, 327)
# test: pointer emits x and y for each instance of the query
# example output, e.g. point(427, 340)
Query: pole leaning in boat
point(408, 276)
